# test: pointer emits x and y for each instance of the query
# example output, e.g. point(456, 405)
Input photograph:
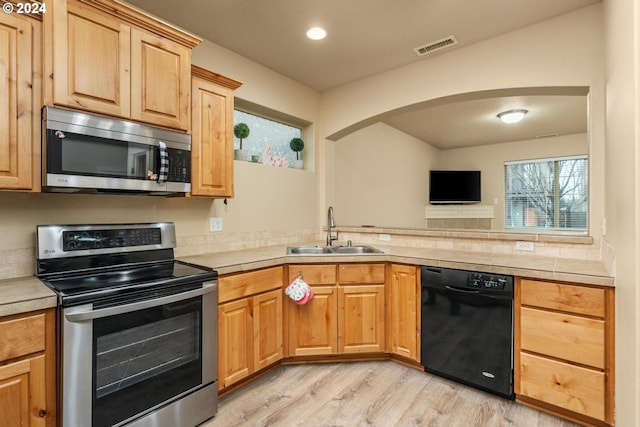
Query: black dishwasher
point(467, 328)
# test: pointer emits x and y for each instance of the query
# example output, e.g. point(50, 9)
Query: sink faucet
point(331, 222)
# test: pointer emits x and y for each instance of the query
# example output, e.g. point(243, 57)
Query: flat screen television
point(454, 187)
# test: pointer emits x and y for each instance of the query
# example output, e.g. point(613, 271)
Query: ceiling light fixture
point(512, 116)
point(316, 33)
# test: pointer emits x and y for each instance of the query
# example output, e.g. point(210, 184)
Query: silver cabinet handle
point(126, 308)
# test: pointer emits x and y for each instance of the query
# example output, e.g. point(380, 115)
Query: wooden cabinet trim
point(213, 77)
point(141, 19)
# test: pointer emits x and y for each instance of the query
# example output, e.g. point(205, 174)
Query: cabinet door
point(403, 311)
point(22, 393)
point(235, 342)
point(211, 139)
point(17, 109)
point(160, 81)
point(313, 326)
point(361, 319)
point(91, 60)
point(267, 328)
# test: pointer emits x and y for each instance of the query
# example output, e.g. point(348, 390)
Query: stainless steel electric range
point(137, 328)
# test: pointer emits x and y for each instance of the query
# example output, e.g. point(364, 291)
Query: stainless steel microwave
point(84, 152)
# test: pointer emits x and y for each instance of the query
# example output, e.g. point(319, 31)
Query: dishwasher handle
point(479, 293)
point(464, 291)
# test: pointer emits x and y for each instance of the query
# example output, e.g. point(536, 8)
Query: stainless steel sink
point(308, 250)
point(335, 250)
point(355, 250)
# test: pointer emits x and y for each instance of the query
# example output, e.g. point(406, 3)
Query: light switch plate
point(215, 224)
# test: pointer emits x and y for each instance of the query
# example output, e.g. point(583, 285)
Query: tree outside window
point(547, 194)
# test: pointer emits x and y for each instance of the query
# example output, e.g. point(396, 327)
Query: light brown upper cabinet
point(106, 57)
point(212, 133)
point(20, 79)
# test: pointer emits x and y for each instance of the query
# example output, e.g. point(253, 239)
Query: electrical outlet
point(215, 224)
point(525, 246)
point(385, 238)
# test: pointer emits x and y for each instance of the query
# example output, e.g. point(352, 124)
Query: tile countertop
point(548, 268)
point(24, 294)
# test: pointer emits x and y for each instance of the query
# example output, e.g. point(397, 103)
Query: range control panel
point(486, 281)
point(106, 238)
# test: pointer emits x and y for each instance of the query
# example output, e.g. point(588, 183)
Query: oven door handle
point(81, 316)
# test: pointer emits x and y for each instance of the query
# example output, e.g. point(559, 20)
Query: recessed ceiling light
point(512, 116)
point(316, 33)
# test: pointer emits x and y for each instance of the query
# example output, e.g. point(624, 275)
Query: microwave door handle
point(163, 170)
point(81, 316)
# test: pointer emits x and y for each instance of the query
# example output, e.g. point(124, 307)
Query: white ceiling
point(366, 37)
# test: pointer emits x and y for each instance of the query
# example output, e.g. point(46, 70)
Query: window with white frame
point(268, 139)
point(547, 193)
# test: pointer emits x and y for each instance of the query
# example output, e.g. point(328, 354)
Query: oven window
point(144, 358)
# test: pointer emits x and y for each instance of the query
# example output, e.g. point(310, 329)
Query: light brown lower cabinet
point(27, 370)
point(249, 323)
point(346, 314)
point(564, 349)
point(403, 311)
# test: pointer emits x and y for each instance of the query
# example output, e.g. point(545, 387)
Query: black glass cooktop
point(99, 283)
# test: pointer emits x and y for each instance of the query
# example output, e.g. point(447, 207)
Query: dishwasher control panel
point(486, 281)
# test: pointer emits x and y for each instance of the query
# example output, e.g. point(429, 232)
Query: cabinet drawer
point(565, 336)
point(361, 273)
point(245, 284)
point(564, 297)
point(314, 274)
point(566, 386)
point(22, 336)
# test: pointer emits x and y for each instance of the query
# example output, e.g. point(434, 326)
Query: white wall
point(565, 51)
point(622, 150)
point(489, 159)
point(265, 197)
point(382, 178)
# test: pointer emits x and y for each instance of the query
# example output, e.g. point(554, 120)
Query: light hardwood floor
point(381, 394)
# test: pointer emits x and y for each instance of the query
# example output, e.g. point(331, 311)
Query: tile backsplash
point(21, 262)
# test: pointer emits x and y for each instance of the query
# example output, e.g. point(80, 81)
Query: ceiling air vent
point(434, 46)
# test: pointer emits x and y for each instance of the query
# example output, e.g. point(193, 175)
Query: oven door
point(124, 361)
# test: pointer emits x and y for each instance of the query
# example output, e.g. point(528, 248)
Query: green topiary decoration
point(297, 144)
point(241, 131)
